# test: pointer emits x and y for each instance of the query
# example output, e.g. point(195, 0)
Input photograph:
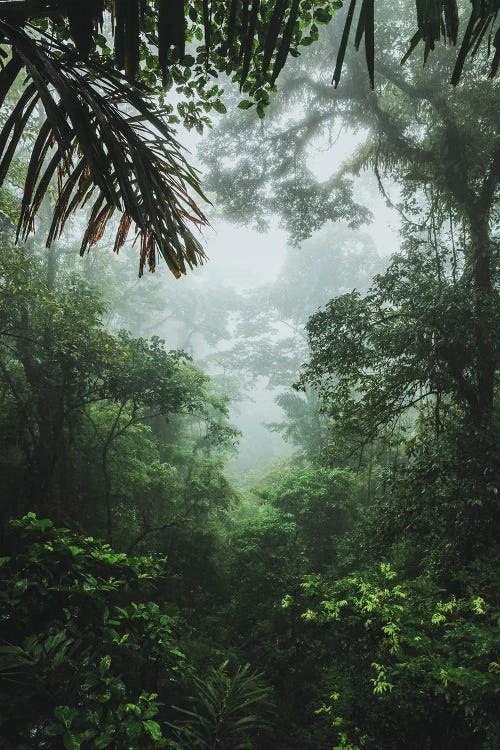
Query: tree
point(74, 397)
point(410, 338)
point(448, 169)
point(321, 503)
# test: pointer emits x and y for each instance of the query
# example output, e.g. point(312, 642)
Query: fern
point(227, 711)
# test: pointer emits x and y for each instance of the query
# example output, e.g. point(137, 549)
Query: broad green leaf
point(153, 729)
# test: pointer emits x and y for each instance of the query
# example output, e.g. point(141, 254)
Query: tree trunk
point(484, 300)
point(107, 494)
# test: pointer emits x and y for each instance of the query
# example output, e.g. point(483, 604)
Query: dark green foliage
point(322, 505)
point(98, 665)
point(435, 509)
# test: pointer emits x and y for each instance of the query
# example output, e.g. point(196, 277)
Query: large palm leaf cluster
point(107, 148)
point(241, 25)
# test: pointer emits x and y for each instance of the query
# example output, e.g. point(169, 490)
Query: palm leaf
point(286, 41)
point(273, 32)
point(483, 16)
point(435, 19)
point(105, 142)
point(343, 44)
point(247, 43)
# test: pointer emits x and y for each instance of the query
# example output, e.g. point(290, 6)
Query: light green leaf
point(105, 664)
point(153, 729)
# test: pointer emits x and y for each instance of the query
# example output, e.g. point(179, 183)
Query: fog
point(249, 262)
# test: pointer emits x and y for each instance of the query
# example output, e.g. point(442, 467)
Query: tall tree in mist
point(441, 146)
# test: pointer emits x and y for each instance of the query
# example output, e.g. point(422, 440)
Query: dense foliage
point(100, 665)
point(346, 597)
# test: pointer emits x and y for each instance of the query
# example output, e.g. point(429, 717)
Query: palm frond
point(106, 145)
point(483, 16)
point(436, 20)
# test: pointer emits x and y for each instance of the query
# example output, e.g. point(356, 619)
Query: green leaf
point(153, 729)
point(65, 715)
point(245, 104)
point(219, 107)
point(104, 740)
point(322, 15)
point(133, 708)
point(43, 524)
point(105, 664)
point(70, 741)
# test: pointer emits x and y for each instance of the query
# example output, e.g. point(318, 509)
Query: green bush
point(86, 660)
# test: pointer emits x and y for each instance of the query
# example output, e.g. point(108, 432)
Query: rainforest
point(249, 375)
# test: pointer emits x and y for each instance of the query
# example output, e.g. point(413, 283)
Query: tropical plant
point(228, 711)
point(411, 664)
point(107, 145)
